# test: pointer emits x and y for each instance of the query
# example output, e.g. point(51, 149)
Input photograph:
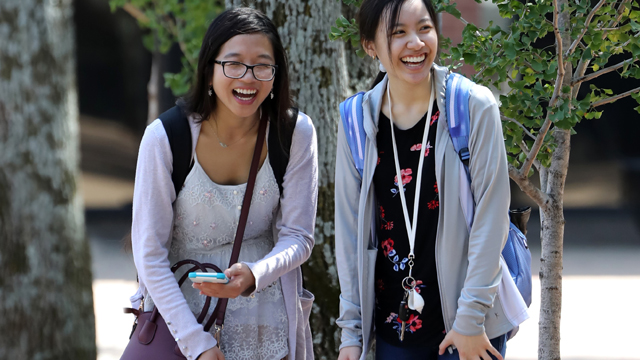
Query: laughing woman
point(401, 236)
point(242, 80)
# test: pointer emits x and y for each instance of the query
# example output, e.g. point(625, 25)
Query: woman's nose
point(415, 42)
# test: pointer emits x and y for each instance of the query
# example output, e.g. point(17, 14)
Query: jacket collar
point(372, 101)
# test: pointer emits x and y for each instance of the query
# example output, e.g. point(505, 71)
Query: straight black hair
point(232, 22)
point(373, 11)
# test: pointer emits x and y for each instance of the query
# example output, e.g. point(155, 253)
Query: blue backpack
point(516, 251)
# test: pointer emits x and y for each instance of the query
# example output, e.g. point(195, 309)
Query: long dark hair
point(228, 24)
point(239, 21)
point(373, 11)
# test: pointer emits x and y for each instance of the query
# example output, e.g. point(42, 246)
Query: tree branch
point(603, 71)
point(556, 31)
point(580, 70)
point(575, 43)
point(525, 185)
point(526, 131)
point(615, 98)
point(136, 13)
point(616, 21)
point(526, 150)
point(537, 145)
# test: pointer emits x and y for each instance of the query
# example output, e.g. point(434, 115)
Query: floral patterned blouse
point(425, 329)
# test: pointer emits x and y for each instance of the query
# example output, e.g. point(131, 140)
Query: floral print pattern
point(393, 249)
point(414, 323)
point(390, 253)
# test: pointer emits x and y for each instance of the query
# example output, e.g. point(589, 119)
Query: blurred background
point(602, 199)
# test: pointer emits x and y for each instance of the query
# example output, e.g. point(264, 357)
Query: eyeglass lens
point(237, 70)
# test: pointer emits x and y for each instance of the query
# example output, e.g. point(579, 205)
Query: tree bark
point(319, 82)
point(46, 301)
point(154, 86)
point(361, 71)
point(552, 219)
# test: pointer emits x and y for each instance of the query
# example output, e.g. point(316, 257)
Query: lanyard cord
point(411, 229)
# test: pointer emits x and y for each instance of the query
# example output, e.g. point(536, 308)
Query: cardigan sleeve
point(297, 215)
point(151, 229)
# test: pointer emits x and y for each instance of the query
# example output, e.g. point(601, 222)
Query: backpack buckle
point(464, 156)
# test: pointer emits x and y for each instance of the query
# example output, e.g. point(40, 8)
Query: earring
point(210, 90)
point(271, 94)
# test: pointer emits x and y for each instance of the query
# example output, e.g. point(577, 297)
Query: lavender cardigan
point(293, 228)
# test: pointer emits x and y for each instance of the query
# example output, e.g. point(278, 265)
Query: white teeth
point(246, 91)
point(413, 59)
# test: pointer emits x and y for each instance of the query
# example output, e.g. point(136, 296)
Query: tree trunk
point(154, 86)
point(361, 71)
point(552, 220)
point(46, 302)
point(319, 82)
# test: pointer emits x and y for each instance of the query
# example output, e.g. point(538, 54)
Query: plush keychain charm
point(416, 302)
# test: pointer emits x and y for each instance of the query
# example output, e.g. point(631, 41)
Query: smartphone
point(199, 277)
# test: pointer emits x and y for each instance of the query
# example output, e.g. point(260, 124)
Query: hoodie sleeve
point(490, 188)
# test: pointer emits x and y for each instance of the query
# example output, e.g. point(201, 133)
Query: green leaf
point(469, 58)
point(510, 50)
point(537, 66)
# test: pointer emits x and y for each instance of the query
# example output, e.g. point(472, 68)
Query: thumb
point(233, 270)
point(444, 345)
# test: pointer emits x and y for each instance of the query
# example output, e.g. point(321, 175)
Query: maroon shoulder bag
point(151, 338)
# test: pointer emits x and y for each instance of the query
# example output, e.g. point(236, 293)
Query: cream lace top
point(205, 222)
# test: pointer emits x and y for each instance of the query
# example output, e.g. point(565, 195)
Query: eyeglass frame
point(246, 68)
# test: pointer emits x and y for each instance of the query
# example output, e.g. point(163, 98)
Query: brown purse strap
point(221, 306)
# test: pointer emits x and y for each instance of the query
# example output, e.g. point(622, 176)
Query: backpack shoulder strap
point(352, 120)
point(176, 125)
point(457, 109)
point(279, 145)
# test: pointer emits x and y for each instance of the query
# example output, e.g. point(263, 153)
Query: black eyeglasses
point(237, 70)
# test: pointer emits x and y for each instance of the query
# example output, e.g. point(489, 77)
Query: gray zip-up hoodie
point(467, 261)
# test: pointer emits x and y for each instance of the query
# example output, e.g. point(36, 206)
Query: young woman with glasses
point(413, 277)
point(241, 77)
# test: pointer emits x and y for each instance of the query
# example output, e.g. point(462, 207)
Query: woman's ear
point(369, 48)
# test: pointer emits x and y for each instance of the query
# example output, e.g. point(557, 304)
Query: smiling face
point(243, 96)
point(413, 46)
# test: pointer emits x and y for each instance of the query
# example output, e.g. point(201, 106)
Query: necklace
point(224, 145)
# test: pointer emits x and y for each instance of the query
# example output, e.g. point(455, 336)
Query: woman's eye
point(397, 32)
point(428, 27)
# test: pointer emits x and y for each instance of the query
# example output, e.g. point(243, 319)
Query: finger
point(235, 269)
point(495, 353)
point(444, 345)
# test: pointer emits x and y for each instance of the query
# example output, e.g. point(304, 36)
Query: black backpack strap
point(279, 154)
point(176, 125)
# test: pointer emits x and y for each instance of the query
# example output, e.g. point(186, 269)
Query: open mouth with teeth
point(414, 61)
point(245, 94)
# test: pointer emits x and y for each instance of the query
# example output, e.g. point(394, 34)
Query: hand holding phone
point(200, 277)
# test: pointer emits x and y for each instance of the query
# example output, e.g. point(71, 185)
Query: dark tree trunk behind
point(46, 302)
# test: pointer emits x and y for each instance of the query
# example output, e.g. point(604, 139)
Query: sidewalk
point(601, 287)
